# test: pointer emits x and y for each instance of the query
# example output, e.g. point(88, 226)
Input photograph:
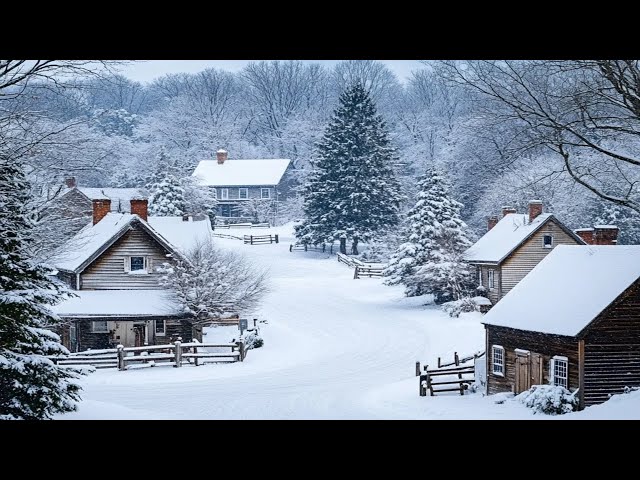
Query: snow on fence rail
point(260, 239)
point(454, 379)
point(242, 225)
point(223, 235)
point(369, 270)
point(170, 354)
point(349, 261)
point(311, 248)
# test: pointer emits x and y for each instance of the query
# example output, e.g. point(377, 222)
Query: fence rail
point(349, 261)
point(312, 248)
point(260, 239)
point(174, 354)
point(223, 235)
point(455, 379)
point(242, 225)
point(368, 271)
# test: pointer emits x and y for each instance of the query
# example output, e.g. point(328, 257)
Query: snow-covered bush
point(456, 307)
point(253, 340)
point(549, 399)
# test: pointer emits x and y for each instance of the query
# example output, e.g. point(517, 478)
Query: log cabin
point(111, 266)
point(573, 321)
point(514, 245)
point(265, 182)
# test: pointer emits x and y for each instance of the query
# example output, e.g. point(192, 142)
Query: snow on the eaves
point(117, 302)
point(241, 172)
point(120, 197)
point(508, 233)
point(568, 289)
point(182, 235)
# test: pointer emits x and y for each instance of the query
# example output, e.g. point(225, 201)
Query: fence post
point(423, 388)
point(305, 247)
point(120, 357)
point(456, 359)
point(255, 320)
point(291, 247)
point(355, 273)
point(276, 238)
point(251, 239)
point(417, 369)
point(240, 346)
point(178, 352)
point(439, 363)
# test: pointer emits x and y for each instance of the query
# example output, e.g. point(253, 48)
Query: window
point(558, 371)
point(243, 193)
point(161, 327)
point(491, 279)
point(480, 276)
point(225, 210)
point(547, 241)
point(99, 326)
point(498, 360)
point(265, 193)
point(224, 194)
point(137, 263)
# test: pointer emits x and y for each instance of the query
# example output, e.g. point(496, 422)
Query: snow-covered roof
point(233, 173)
point(120, 197)
point(117, 303)
point(171, 232)
point(568, 289)
point(513, 229)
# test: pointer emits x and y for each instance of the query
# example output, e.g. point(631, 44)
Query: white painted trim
point(543, 244)
point(493, 362)
point(93, 326)
point(246, 191)
point(522, 352)
point(164, 330)
point(268, 197)
point(224, 194)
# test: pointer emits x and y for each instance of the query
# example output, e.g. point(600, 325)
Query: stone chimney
point(585, 234)
point(101, 207)
point(70, 182)
point(221, 155)
point(140, 208)
point(507, 210)
point(535, 209)
point(492, 222)
point(605, 235)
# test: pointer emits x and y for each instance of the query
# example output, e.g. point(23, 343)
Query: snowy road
point(334, 348)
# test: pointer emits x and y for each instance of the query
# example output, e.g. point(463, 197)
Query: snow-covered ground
point(335, 348)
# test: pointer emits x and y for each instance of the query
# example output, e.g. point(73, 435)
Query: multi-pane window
point(479, 276)
point(547, 241)
point(559, 371)
point(99, 326)
point(137, 263)
point(497, 357)
point(243, 193)
point(265, 193)
point(161, 328)
point(224, 194)
point(491, 278)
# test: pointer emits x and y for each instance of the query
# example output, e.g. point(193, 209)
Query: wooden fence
point(223, 235)
point(260, 239)
point(241, 225)
point(312, 248)
point(368, 270)
point(349, 261)
point(456, 379)
point(175, 354)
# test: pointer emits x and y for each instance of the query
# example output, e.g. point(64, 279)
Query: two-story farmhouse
point(237, 182)
point(514, 245)
point(112, 267)
point(573, 321)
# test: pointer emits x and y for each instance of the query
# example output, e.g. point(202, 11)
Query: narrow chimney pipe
point(221, 155)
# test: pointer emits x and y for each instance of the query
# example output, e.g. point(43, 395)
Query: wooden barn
point(573, 321)
point(514, 245)
point(112, 267)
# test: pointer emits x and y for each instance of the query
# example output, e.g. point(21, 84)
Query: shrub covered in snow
point(456, 307)
point(253, 340)
point(549, 399)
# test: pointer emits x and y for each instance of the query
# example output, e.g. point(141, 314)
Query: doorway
point(528, 370)
point(140, 332)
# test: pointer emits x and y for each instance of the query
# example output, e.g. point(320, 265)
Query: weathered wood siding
point(530, 253)
point(108, 273)
point(612, 349)
point(493, 294)
point(544, 344)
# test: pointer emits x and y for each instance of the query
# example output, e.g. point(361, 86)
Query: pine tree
point(167, 198)
point(352, 192)
point(31, 385)
point(430, 261)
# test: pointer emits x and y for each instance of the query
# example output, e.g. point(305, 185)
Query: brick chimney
point(492, 222)
point(605, 235)
point(585, 234)
point(507, 210)
point(221, 155)
point(70, 182)
point(101, 207)
point(535, 209)
point(140, 208)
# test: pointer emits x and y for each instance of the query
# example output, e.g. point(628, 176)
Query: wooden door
point(523, 373)
point(536, 369)
point(139, 331)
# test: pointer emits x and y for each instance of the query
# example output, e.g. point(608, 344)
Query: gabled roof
point(568, 289)
point(120, 197)
point(234, 173)
point(508, 234)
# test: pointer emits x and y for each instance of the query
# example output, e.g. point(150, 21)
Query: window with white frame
point(243, 193)
point(136, 263)
point(161, 327)
point(559, 371)
point(547, 241)
point(491, 282)
point(497, 360)
point(224, 194)
point(480, 276)
point(265, 193)
point(99, 326)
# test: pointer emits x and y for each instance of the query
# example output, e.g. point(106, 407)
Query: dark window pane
point(137, 263)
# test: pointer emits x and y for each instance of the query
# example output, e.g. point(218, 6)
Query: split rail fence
point(241, 225)
point(260, 239)
point(455, 379)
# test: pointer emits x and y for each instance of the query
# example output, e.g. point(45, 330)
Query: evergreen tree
point(352, 192)
point(167, 198)
point(430, 261)
point(31, 385)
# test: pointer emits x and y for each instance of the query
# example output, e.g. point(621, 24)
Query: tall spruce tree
point(352, 192)
point(31, 385)
point(430, 261)
point(167, 198)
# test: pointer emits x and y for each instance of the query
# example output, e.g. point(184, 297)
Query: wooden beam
point(581, 374)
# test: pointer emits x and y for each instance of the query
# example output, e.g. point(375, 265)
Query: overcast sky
point(146, 71)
